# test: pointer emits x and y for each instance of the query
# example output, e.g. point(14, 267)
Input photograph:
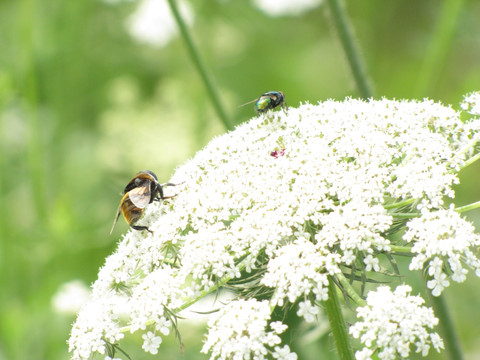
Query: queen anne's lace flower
point(326, 200)
point(299, 269)
point(240, 331)
point(307, 311)
point(97, 323)
point(442, 238)
point(471, 103)
point(152, 298)
point(151, 342)
point(371, 263)
point(393, 322)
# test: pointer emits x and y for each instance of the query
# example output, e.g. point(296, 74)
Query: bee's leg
point(285, 108)
point(172, 184)
point(168, 197)
point(140, 228)
point(161, 197)
point(161, 191)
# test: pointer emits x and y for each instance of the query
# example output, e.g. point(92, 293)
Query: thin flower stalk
point(201, 68)
point(345, 31)
point(468, 207)
point(437, 52)
point(337, 324)
point(447, 328)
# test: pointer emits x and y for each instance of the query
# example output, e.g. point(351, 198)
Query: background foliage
point(84, 106)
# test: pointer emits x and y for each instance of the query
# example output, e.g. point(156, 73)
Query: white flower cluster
point(158, 293)
point(97, 323)
point(299, 269)
point(240, 331)
point(354, 226)
point(443, 239)
point(146, 305)
point(392, 323)
point(289, 197)
point(471, 103)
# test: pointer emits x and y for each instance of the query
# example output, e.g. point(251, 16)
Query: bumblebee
point(269, 100)
point(142, 190)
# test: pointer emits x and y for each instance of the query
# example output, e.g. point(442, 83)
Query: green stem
point(349, 289)
point(405, 215)
point(471, 160)
point(337, 323)
point(466, 148)
point(468, 207)
point(197, 61)
point(440, 46)
point(29, 91)
point(460, 209)
point(399, 204)
point(447, 329)
point(400, 249)
point(349, 44)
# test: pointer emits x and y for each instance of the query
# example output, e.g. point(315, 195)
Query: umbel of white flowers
point(278, 206)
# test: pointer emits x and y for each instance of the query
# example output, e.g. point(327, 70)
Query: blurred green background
point(84, 105)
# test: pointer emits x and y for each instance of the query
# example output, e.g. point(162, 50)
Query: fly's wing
point(140, 196)
point(248, 103)
point(116, 217)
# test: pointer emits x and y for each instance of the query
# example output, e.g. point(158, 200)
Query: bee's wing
point(140, 196)
point(116, 217)
point(248, 103)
